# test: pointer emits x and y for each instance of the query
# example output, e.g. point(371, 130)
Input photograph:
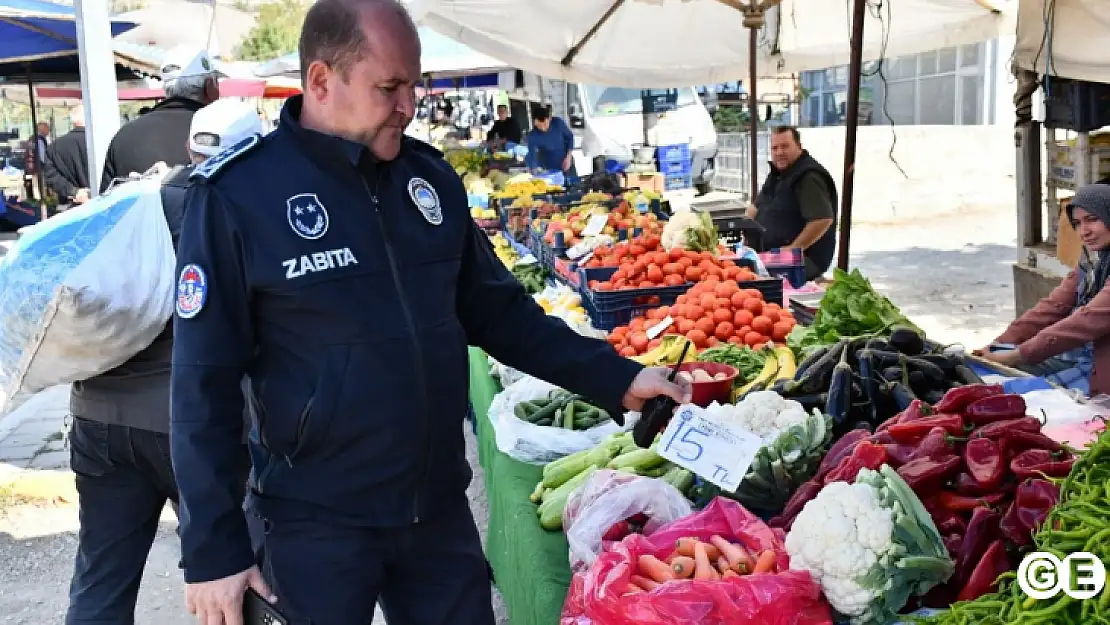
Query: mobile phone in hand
point(258, 611)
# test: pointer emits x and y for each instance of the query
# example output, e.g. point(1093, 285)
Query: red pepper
point(617, 531)
point(994, 562)
point(982, 530)
point(913, 412)
point(924, 475)
point(960, 397)
point(936, 442)
point(866, 455)
point(840, 450)
point(998, 428)
point(803, 495)
point(948, 522)
point(1018, 441)
point(985, 462)
point(916, 430)
point(995, 408)
point(1040, 463)
point(952, 543)
point(881, 438)
point(962, 503)
point(1032, 502)
point(967, 486)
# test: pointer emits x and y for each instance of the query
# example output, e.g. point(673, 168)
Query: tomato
point(672, 268)
point(636, 325)
point(674, 280)
point(763, 325)
point(724, 331)
point(694, 312)
point(681, 299)
point(615, 339)
point(693, 274)
point(653, 343)
point(628, 352)
point(603, 286)
point(781, 330)
point(654, 273)
point(685, 262)
point(724, 303)
point(759, 346)
point(737, 300)
point(770, 313)
point(636, 249)
point(706, 325)
point(675, 253)
point(756, 293)
point(753, 305)
point(706, 256)
point(742, 331)
point(712, 342)
point(664, 311)
point(659, 258)
point(753, 338)
point(697, 337)
point(743, 318)
point(646, 284)
point(735, 340)
point(722, 314)
point(639, 342)
point(684, 326)
point(708, 301)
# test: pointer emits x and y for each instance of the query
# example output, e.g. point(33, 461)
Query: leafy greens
point(850, 307)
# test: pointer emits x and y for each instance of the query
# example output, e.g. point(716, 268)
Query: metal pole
point(753, 112)
point(34, 147)
point(98, 67)
point(855, 65)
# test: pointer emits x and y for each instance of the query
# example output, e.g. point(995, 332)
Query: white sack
point(84, 291)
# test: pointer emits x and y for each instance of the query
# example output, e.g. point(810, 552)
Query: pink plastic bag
point(596, 596)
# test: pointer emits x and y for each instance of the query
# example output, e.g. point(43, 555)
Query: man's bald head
point(335, 32)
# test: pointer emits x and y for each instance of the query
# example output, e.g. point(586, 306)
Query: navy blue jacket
point(347, 290)
point(548, 149)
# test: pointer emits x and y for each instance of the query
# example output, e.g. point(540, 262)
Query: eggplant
point(902, 395)
point(816, 377)
point(934, 375)
point(809, 402)
point(946, 363)
point(862, 425)
point(886, 359)
point(840, 390)
point(867, 374)
point(932, 347)
point(881, 345)
point(918, 383)
point(892, 374)
point(812, 357)
point(907, 340)
point(780, 386)
point(964, 374)
point(933, 397)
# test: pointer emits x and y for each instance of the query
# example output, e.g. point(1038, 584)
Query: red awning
point(229, 88)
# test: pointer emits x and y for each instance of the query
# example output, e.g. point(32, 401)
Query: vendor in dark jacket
point(190, 81)
point(505, 129)
point(797, 205)
point(66, 168)
point(550, 143)
point(119, 443)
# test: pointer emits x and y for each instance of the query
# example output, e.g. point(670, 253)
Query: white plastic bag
point(538, 444)
point(609, 497)
point(84, 291)
point(1069, 417)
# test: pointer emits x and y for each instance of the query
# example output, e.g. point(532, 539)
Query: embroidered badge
point(307, 216)
point(192, 291)
point(427, 200)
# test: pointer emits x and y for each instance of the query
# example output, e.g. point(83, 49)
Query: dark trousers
point(430, 573)
point(124, 479)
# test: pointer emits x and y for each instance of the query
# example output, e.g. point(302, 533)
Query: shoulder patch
point(210, 167)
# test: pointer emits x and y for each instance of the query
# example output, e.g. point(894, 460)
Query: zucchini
point(537, 494)
point(551, 510)
point(638, 460)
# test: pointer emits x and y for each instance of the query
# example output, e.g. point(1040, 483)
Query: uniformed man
point(334, 263)
point(119, 441)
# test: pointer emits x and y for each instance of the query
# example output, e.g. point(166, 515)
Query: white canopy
point(1069, 36)
point(662, 43)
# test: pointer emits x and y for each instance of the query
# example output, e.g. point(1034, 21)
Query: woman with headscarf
point(1066, 336)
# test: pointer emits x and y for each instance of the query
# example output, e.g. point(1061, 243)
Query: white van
point(610, 122)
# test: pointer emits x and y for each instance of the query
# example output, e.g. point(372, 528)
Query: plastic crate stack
point(788, 264)
point(609, 309)
point(675, 165)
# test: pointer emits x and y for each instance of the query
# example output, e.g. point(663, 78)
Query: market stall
point(847, 469)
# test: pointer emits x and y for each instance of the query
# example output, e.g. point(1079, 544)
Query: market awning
point(229, 88)
point(1065, 38)
point(38, 37)
point(667, 43)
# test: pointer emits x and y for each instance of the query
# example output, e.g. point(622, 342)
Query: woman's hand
point(1009, 358)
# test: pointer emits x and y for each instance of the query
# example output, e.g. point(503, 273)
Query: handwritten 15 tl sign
point(711, 448)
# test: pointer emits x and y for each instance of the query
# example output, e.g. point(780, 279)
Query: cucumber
point(546, 411)
point(520, 412)
point(568, 415)
point(544, 421)
point(557, 422)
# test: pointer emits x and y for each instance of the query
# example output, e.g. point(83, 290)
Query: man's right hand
point(220, 601)
point(751, 211)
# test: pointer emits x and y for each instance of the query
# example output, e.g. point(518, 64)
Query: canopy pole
point(851, 127)
point(34, 146)
point(753, 112)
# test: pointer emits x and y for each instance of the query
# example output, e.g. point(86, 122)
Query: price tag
point(657, 329)
point(596, 224)
point(713, 449)
point(585, 257)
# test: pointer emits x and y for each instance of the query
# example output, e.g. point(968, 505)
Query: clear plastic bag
point(1069, 417)
point(596, 595)
point(538, 444)
point(609, 497)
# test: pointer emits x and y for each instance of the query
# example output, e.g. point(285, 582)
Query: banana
point(770, 368)
point(784, 356)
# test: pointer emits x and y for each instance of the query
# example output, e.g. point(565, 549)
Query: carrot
point(655, 569)
point(738, 558)
point(674, 554)
point(730, 573)
point(632, 589)
point(765, 563)
point(722, 564)
point(703, 569)
point(685, 546)
point(645, 583)
point(683, 567)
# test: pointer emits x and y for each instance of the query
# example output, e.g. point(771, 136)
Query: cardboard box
point(645, 182)
point(1068, 246)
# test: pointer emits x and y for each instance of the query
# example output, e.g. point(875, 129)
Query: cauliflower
point(763, 412)
point(871, 545)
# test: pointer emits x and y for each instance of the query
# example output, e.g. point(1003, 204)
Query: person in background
point(119, 440)
point(550, 143)
point(797, 205)
point(357, 442)
point(1066, 336)
point(190, 80)
point(42, 140)
point(504, 130)
point(66, 169)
